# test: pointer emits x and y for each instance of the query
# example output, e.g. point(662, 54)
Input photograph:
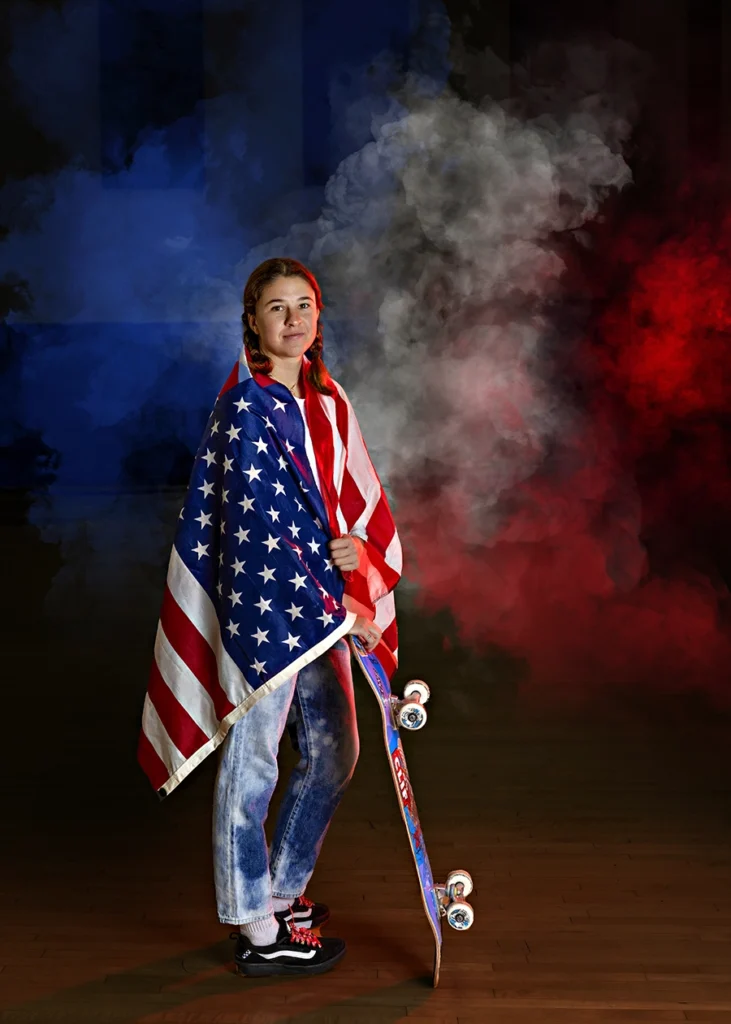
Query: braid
point(254, 356)
point(318, 375)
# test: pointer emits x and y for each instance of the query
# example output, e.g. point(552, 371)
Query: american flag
point(251, 594)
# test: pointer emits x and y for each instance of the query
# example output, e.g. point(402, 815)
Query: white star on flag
point(295, 530)
point(206, 488)
point(261, 445)
point(299, 581)
point(268, 574)
point(241, 404)
point(247, 504)
point(209, 457)
point(270, 425)
point(214, 428)
point(314, 548)
point(235, 597)
point(282, 462)
point(264, 606)
point(326, 618)
point(274, 514)
point(278, 488)
point(289, 447)
point(204, 519)
point(233, 433)
point(260, 636)
point(252, 473)
point(200, 550)
point(233, 628)
point(270, 543)
point(291, 641)
point(224, 496)
point(279, 406)
point(294, 611)
point(242, 534)
point(258, 666)
point(238, 566)
point(228, 464)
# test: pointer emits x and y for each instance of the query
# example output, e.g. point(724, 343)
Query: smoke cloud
point(446, 244)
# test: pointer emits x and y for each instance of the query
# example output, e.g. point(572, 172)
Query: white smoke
point(437, 251)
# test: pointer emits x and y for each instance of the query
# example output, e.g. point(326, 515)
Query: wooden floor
point(599, 843)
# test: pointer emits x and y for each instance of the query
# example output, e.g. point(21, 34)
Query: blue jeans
point(319, 698)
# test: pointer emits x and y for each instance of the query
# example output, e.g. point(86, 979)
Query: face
point(285, 318)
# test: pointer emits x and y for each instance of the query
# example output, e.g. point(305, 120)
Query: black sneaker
point(296, 951)
point(304, 913)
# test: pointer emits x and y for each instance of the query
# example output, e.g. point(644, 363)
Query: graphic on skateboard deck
point(439, 900)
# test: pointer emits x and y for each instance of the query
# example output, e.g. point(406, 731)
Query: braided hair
point(317, 373)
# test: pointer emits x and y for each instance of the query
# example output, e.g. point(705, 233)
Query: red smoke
point(667, 343)
point(607, 568)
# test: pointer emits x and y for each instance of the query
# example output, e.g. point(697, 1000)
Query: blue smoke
point(190, 141)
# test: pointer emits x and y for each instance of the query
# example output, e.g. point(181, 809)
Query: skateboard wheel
point(455, 878)
point(417, 686)
point(412, 716)
point(460, 915)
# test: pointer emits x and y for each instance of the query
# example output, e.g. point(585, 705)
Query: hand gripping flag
point(252, 595)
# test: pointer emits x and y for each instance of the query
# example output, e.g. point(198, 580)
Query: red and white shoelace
point(303, 936)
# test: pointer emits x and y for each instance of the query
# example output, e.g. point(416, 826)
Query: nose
point(294, 319)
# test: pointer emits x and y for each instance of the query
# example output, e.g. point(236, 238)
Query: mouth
point(290, 337)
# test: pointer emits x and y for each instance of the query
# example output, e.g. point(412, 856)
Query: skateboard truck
point(409, 711)
point(452, 902)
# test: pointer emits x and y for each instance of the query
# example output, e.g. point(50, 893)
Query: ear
point(252, 322)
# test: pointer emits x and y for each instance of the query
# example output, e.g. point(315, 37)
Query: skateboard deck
point(380, 685)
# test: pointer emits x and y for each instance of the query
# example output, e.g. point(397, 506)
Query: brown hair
point(269, 270)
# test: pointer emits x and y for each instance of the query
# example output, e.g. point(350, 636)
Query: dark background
point(119, 483)
point(76, 491)
point(99, 420)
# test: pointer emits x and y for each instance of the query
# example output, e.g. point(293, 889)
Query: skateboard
point(447, 900)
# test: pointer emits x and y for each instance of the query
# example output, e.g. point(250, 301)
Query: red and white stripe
point(357, 503)
point(194, 683)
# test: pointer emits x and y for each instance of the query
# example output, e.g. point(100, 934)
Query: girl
point(284, 508)
point(259, 889)
point(293, 548)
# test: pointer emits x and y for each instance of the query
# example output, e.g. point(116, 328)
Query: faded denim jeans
point(319, 698)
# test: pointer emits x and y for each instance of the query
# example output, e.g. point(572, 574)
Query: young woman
point(285, 544)
point(257, 888)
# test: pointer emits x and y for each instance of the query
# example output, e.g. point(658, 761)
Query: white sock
point(280, 903)
point(262, 932)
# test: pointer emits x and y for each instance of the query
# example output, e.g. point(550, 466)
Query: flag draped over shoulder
point(251, 594)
